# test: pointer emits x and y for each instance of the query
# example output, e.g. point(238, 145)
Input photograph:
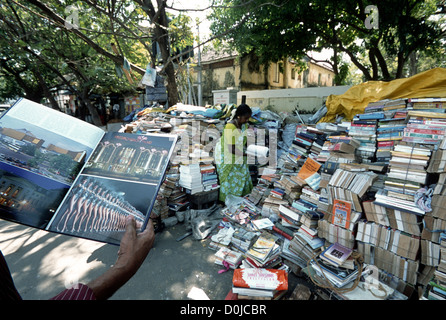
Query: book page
point(56, 122)
point(121, 178)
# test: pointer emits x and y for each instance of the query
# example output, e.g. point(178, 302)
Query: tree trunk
point(400, 68)
point(413, 64)
point(93, 111)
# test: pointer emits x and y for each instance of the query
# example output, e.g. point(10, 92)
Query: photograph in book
point(96, 207)
point(41, 152)
point(121, 178)
point(127, 156)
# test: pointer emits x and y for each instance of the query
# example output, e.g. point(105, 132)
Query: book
point(340, 277)
point(309, 168)
point(261, 278)
point(336, 254)
point(70, 177)
point(341, 213)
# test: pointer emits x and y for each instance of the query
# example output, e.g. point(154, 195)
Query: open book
point(64, 175)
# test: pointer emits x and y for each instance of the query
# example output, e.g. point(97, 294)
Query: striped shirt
point(80, 292)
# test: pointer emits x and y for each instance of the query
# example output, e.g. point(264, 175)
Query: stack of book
point(340, 149)
point(409, 162)
point(309, 141)
point(265, 252)
point(407, 173)
point(440, 273)
point(252, 283)
point(242, 239)
point(389, 132)
point(338, 256)
point(292, 186)
point(290, 217)
point(435, 291)
point(300, 250)
point(428, 104)
point(228, 258)
point(190, 178)
point(337, 276)
point(271, 204)
point(424, 133)
point(363, 129)
point(308, 230)
point(258, 194)
point(350, 186)
point(243, 214)
point(425, 127)
point(209, 177)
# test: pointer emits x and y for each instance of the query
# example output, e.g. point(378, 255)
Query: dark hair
point(243, 110)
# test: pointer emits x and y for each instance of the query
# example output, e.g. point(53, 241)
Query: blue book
point(371, 116)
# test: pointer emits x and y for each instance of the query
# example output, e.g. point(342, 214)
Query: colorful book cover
point(341, 213)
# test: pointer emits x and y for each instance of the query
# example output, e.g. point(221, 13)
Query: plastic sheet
point(428, 84)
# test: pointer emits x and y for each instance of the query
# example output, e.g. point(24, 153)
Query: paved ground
point(43, 263)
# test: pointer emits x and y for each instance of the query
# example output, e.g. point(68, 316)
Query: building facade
point(224, 70)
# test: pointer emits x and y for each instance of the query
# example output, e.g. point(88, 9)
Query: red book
point(258, 278)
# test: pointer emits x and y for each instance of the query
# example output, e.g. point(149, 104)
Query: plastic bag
point(149, 77)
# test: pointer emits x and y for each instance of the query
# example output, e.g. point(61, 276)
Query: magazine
point(64, 175)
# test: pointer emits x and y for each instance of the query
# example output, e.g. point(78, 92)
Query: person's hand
point(132, 253)
point(134, 247)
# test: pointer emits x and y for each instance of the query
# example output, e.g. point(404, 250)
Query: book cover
point(309, 168)
point(259, 278)
point(67, 176)
point(337, 253)
point(341, 213)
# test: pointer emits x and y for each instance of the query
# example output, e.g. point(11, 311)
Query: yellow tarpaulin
point(428, 84)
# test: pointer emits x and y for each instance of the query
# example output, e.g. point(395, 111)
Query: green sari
point(232, 170)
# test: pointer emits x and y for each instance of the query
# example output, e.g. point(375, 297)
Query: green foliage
point(34, 46)
point(281, 28)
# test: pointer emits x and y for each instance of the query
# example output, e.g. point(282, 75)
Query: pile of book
point(363, 129)
point(308, 230)
point(190, 178)
point(243, 239)
point(336, 265)
point(242, 215)
point(339, 149)
point(259, 283)
point(258, 194)
point(308, 142)
point(292, 186)
point(264, 253)
point(209, 177)
point(406, 174)
point(418, 131)
point(228, 258)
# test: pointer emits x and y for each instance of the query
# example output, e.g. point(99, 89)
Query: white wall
point(287, 99)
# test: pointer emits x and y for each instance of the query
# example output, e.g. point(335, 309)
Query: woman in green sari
point(230, 156)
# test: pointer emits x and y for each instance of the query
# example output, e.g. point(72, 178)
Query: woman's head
point(243, 113)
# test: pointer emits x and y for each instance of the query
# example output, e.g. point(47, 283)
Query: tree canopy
point(79, 45)
point(374, 35)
